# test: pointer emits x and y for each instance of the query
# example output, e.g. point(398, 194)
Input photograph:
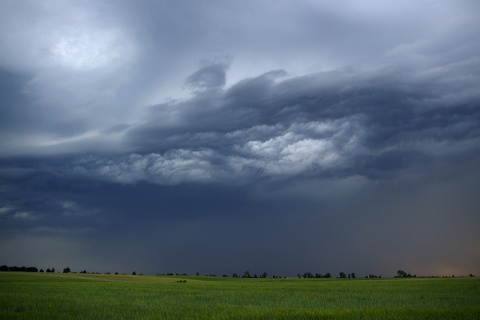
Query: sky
point(223, 136)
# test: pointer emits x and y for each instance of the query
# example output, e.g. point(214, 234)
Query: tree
point(246, 274)
point(342, 275)
point(66, 270)
point(134, 273)
point(401, 274)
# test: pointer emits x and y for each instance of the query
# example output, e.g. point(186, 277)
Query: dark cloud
point(208, 77)
point(335, 123)
point(311, 137)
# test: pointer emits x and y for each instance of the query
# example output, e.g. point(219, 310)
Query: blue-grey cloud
point(331, 124)
point(213, 75)
point(184, 136)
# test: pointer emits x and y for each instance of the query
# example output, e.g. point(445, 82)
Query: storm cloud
point(190, 136)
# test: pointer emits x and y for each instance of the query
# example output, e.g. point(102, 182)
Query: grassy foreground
point(85, 296)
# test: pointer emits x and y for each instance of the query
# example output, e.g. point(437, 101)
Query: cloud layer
point(183, 136)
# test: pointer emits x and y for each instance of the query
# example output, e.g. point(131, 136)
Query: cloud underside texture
point(334, 124)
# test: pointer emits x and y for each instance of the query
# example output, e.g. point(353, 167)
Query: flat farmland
point(92, 296)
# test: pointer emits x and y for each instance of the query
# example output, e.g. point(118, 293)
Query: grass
point(85, 296)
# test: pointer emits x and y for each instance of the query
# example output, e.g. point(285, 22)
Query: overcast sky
point(225, 136)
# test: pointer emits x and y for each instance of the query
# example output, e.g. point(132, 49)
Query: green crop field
point(89, 296)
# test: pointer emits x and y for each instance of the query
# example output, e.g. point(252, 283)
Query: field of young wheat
point(89, 296)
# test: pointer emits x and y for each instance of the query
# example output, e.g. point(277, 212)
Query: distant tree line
point(246, 274)
point(309, 275)
point(18, 269)
point(34, 269)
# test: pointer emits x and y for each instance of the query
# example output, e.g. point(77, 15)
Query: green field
point(88, 296)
